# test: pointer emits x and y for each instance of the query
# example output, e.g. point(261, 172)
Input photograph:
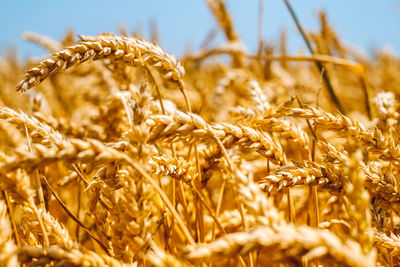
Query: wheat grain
point(129, 50)
point(298, 243)
point(184, 124)
point(240, 177)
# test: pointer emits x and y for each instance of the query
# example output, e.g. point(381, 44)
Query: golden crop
point(115, 153)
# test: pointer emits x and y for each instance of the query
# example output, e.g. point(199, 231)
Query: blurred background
point(182, 24)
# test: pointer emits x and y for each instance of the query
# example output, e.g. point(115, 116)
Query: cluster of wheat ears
point(137, 159)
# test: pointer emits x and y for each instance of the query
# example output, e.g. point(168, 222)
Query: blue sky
point(366, 24)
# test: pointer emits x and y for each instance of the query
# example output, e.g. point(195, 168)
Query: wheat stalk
point(374, 140)
point(298, 243)
point(186, 124)
point(128, 50)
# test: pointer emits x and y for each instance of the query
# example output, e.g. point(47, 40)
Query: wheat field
point(115, 153)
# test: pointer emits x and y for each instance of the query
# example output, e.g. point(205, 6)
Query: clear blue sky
point(365, 24)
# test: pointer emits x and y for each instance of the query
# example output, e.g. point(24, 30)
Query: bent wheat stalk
point(129, 50)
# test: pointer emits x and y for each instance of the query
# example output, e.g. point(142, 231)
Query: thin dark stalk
point(328, 84)
point(73, 217)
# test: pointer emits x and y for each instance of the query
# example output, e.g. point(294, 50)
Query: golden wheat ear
point(131, 51)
